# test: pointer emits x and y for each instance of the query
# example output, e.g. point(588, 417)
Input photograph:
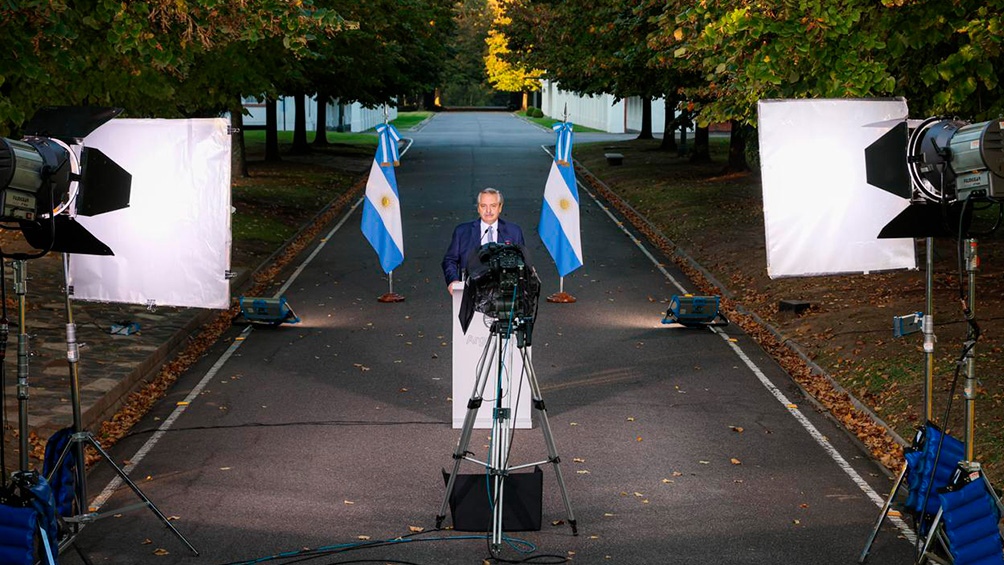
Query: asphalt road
point(677, 445)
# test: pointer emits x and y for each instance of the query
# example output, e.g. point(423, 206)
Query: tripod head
point(501, 284)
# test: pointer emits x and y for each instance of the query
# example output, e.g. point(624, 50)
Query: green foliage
point(465, 81)
point(943, 57)
point(165, 58)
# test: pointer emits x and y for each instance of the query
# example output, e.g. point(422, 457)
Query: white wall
point(355, 117)
point(600, 112)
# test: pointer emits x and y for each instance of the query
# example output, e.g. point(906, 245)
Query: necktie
point(491, 234)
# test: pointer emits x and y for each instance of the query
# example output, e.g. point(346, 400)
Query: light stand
point(969, 386)
point(20, 288)
point(82, 437)
point(498, 466)
point(967, 464)
point(929, 338)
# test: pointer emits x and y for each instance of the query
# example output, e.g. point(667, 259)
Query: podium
point(467, 350)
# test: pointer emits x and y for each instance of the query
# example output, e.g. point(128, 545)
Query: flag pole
point(562, 297)
point(390, 295)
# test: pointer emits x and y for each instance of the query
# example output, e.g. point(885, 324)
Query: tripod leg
point(931, 535)
point(545, 426)
point(502, 422)
point(125, 478)
point(882, 516)
point(473, 405)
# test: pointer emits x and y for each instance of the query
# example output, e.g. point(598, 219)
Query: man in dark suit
point(469, 236)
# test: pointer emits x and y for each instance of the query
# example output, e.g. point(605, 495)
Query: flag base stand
point(561, 297)
point(390, 295)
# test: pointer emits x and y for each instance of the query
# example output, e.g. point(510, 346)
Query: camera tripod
point(498, 468)
point(80, 437)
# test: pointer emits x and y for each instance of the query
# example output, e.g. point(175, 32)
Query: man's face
point(489, 208)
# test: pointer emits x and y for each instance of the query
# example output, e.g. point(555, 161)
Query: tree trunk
point(738, 139)
point(321, 131)
point(702, 146)
point(669, 129)
point(300, 146)
point(271, 131)
point(646, 118)
point(238, 150)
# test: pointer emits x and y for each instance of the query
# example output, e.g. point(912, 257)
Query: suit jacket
point(467, 238)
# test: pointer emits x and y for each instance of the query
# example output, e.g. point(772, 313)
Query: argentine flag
point(559, 216)
point(382, 209)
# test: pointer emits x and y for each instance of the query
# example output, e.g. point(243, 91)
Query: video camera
point(501, 284)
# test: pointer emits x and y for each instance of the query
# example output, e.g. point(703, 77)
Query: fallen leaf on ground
point(736, 461)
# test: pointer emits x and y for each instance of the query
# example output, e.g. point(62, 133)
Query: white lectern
point(467, 350)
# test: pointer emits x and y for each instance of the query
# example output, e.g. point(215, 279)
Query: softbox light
point(821, 215)
point(172, 244)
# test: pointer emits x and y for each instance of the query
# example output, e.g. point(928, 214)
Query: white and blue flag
point(382, 209)
point(559, 216)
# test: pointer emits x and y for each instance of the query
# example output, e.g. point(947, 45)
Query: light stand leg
point(882, 515)
point(545, 427)
point(473, 405)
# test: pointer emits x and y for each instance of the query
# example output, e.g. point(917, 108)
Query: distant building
point(603, 112)
point(340, 117)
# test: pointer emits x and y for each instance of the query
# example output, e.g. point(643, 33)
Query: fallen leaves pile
point(872, 434)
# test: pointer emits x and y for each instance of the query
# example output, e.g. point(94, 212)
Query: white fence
point(601, 112)
point(339, 117)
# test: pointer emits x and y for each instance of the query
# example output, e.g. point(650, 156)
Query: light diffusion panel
point(172, 244)
point(820, 214)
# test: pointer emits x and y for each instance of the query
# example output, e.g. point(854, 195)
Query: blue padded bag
point(971, 516)
point(44, 505)
point(17, 535)
point(920, 462)
point(63, 480)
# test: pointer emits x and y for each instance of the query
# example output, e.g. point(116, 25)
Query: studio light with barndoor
point(847, 187)
point(47, 179)
point(143, 207)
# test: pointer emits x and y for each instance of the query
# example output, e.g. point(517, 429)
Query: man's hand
point(449, 287)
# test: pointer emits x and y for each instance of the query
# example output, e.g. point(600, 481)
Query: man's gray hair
point(490, 190)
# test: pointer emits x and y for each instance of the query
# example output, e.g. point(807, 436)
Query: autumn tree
point(504, 73)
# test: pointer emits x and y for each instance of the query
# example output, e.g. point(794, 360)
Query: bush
point(534, 112)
